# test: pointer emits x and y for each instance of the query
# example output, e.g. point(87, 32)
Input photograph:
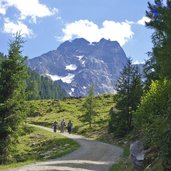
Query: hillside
point(41, 87)
point(47, 111)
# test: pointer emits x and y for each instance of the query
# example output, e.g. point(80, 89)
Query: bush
point(117, 125)
point(153, 117)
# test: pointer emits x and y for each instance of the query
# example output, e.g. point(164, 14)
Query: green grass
point(45, 112)
point(40, 145)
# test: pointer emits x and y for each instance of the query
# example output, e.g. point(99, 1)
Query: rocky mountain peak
point(77, 64)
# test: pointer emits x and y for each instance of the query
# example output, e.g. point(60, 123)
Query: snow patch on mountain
point(66, 79)
point(79, 56)
point(82, 62)
point(71, 67)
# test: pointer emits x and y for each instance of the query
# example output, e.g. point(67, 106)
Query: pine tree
point(160, 20)
point(89, 106)
point(157, 129)
point(13, 74)
point(129, 91)
point(151, 71)
point(41, 87)
point(2, 57)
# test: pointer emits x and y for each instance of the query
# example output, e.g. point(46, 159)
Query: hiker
point(69, 127)
point(55, 125)
point(63, 126)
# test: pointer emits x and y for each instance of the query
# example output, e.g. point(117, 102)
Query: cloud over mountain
point(110, 30)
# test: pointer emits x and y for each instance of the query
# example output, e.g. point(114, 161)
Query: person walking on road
point(55, 126)
point(63, 126)
point(69, 127)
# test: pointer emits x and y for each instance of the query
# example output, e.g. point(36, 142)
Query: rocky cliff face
point(78, 64)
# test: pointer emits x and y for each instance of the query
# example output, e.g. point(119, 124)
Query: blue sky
point(47, 23)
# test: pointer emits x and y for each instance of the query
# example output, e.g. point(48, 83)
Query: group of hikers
point(63, 126)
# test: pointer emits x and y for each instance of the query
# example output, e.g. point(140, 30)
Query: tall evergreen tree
point(154, 110)
point(151, 71)
point(13, 74)
point(89, 106)
point(129, 91)
point(160, 20)
point(2, 57)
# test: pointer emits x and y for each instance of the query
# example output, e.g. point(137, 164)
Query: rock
point(137, 155)
point(66, 145)
point(125, 142)
point(46, 157)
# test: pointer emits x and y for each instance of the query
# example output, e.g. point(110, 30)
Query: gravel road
point(91, 156)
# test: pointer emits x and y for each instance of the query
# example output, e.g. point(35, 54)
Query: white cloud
point(143, 20)
point(12, 28)
point(27, 8)
point(119, 31)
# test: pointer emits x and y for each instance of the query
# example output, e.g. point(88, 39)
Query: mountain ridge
point(77, 64)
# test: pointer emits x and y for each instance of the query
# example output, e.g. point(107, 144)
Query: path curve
point(91, 156)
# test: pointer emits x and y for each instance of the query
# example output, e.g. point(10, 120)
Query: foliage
point(153, 116)
point(151, 70)
point(129, 91)
point(154, 111)
point(165, 148)
point(2, 57)
point(160, 20)
point(89, 106)
point(117, 124)
point(13, 74)
point(41, 87)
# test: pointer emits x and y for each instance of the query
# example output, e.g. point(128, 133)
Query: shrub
point(153, 117)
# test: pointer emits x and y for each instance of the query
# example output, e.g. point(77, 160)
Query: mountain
point(77, 64)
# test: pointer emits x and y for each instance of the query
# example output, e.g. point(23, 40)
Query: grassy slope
point(71, 109)
point(38, 144)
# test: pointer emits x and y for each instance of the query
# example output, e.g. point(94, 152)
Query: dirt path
point(91, 156)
